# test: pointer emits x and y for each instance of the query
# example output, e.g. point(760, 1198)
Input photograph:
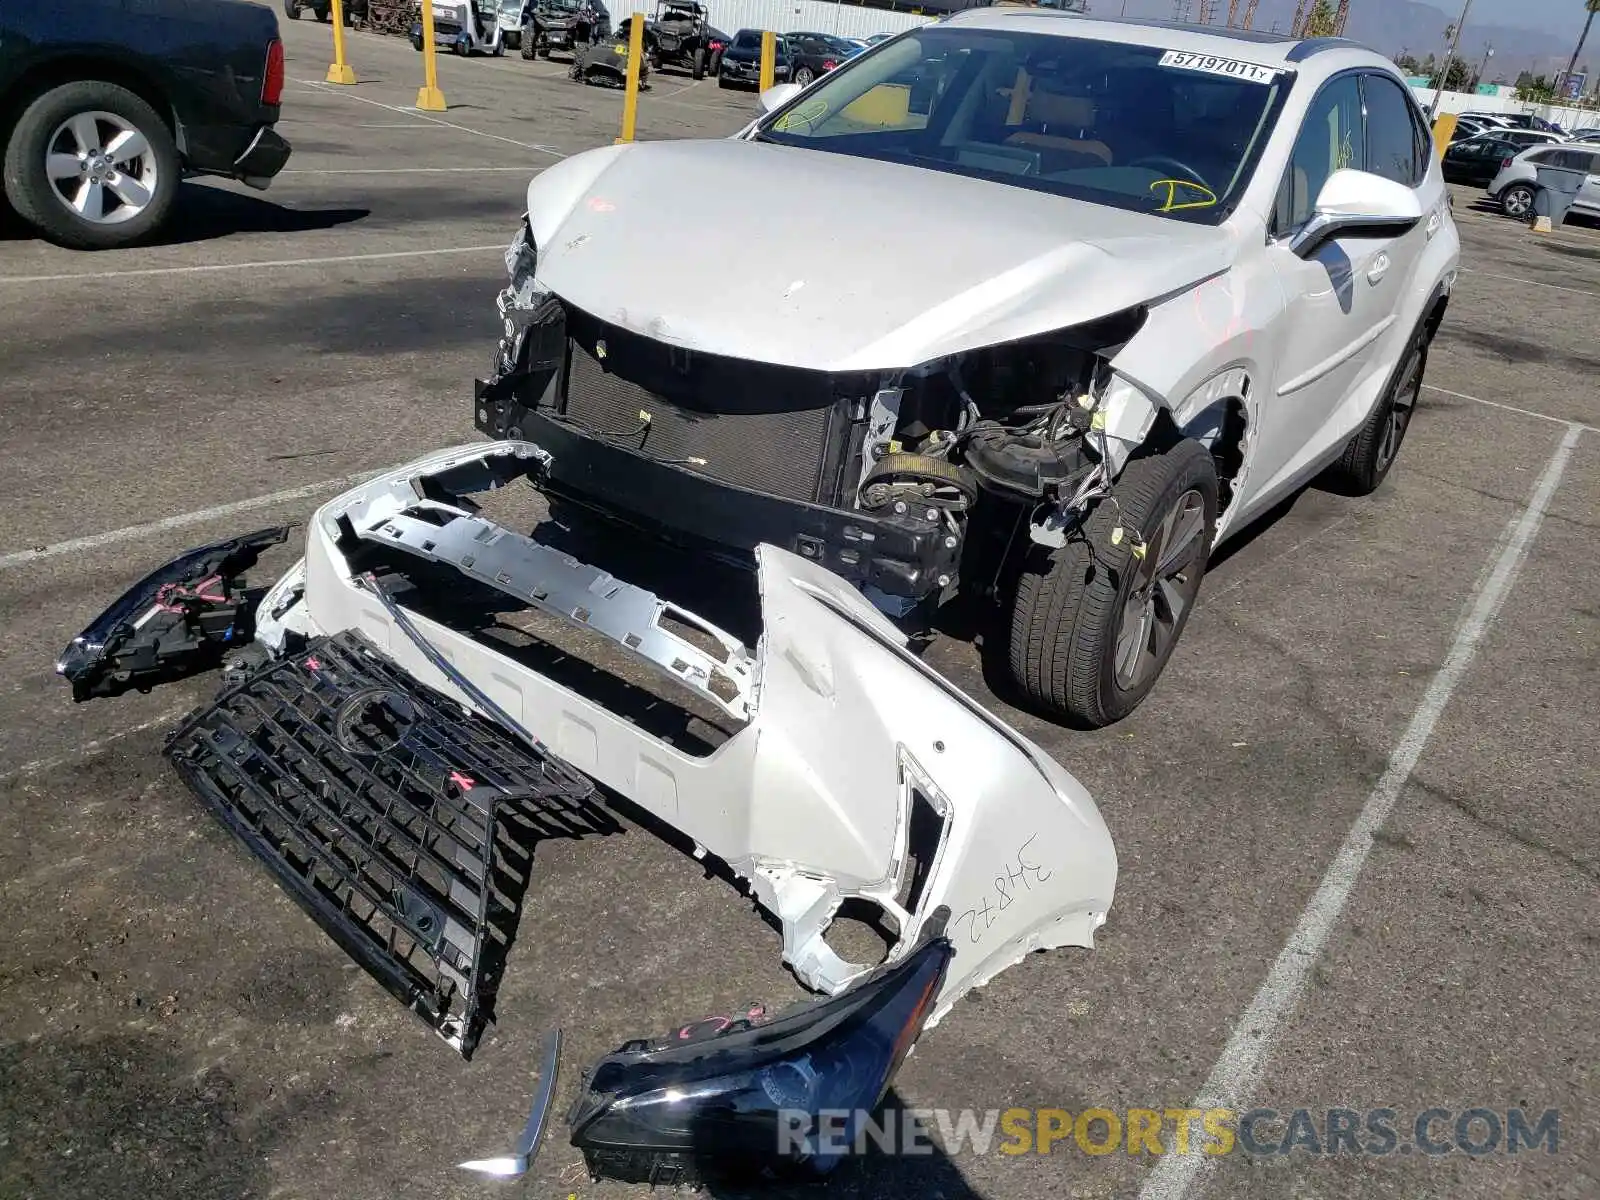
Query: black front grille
point(778, 430)
point(378, 805)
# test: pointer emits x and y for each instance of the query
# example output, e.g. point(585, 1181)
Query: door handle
point(1378, 269)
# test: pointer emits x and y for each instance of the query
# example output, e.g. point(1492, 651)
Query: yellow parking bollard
point(630, 98)
point(1443, 130)
point(341, 71)
point(429, 97)
point(769, 59)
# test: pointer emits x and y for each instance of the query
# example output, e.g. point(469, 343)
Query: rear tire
point(1092, 626)
point(803, 76)
point(42, 135)
point(1366, 461)
point(1517, 201)
point(291, 9)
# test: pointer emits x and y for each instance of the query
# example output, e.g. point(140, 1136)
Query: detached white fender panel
point(849, 742)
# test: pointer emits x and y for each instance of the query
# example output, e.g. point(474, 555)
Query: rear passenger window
point(1575, 160)
point(1391, 133)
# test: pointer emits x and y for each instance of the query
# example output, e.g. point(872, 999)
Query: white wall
point(788, 16)
point(1457, 102)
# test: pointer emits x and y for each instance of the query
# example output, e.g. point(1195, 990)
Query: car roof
point(1258, 46)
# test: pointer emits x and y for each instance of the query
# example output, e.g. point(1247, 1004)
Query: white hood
point(812, 259)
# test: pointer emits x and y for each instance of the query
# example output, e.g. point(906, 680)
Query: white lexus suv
point(1025, 306)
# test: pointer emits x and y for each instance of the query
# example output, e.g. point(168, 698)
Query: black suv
point(106, 105)
point(740, 64)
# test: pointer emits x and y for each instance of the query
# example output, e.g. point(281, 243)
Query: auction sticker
point(1211, 65)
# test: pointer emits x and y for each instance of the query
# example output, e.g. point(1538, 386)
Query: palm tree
point(1593, 6)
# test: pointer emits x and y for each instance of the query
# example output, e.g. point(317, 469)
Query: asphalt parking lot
point(1415, 672)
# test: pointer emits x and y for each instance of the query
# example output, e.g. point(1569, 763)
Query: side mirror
point(1358, 204)
point(779, 94)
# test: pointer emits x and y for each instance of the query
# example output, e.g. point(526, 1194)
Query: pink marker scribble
point(465, 782)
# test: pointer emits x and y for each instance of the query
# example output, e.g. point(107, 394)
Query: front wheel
point(1517, 201)
point(699, 71)
point(291, 9)
point(1367, 459)
point(1094, 622)
point(91, 166)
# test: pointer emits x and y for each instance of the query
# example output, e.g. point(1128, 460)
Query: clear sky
point(1552, 16)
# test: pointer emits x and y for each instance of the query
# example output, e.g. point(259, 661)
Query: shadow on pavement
point(204, 213)
point(123, 1116)
point(926, 1171)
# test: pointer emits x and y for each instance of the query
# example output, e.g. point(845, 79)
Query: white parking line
point(1525, 412)
point(1233, 1080)
point(94, 541)
point(412, 112)
point(206, 268)
point(1554, 287)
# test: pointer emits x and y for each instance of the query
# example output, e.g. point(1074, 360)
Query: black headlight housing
point(751, 1100)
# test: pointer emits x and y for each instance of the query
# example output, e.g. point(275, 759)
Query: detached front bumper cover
point(369, 761)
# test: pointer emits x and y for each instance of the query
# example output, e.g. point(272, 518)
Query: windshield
point(1136, 127)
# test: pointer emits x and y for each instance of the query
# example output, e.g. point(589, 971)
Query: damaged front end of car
point(410, 690)
point(902, 482)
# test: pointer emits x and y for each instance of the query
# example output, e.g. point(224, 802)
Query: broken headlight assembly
point(784, 1096)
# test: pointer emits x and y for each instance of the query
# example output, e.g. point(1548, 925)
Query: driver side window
point(1331, 139)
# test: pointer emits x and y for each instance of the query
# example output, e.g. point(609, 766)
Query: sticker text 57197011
point(1232, 68)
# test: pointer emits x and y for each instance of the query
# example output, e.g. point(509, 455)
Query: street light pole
point(1444, 72)
point(1483, 67)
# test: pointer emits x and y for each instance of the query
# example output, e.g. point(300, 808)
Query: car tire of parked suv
point(134, 193)
point(1517, 201)
point(1093, 623)
point(291, 9)
point(1367, 459)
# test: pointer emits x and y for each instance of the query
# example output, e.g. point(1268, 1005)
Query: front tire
point(291, 9)
point(699, 71)
point(1367, 459)
point(1517, 201)
point(91, 166)
point(1092, 624)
